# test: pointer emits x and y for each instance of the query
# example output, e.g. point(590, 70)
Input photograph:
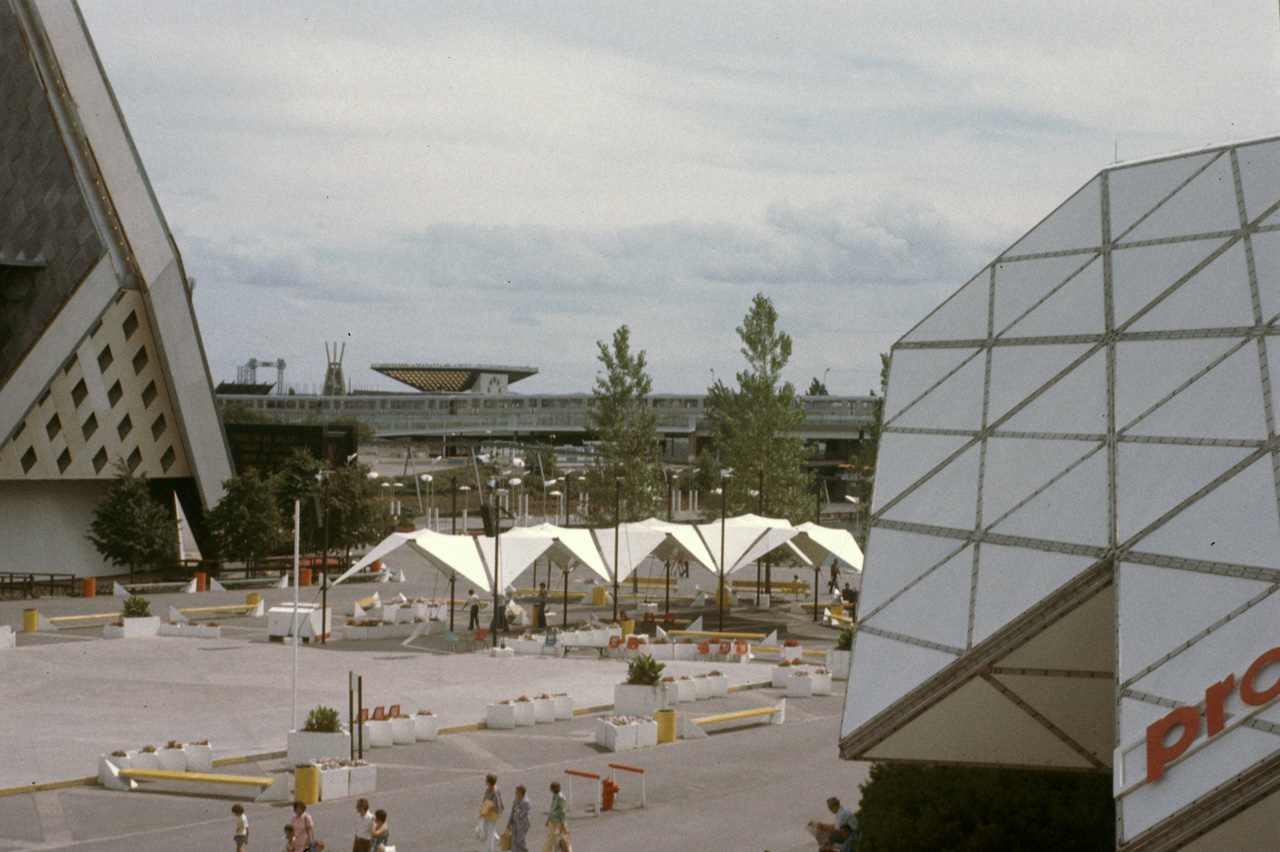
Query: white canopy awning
point(746, 539)
point(816, 543)
point(471, 558)
point(635, 542)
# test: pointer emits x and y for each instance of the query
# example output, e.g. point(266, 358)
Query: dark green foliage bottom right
point(913, 808)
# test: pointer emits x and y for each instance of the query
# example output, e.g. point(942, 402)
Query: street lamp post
point(431, 497)
point(323, 476)
point(617, 534)
point(724, 502)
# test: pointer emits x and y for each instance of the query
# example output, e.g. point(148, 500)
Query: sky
point(510, 182)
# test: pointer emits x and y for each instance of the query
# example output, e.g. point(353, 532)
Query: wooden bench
point(270, 789)
point(698, 726)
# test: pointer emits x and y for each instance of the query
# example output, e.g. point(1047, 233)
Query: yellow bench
point(697, 726)
point(272, 789)
point(779, 588)
point(721, 634)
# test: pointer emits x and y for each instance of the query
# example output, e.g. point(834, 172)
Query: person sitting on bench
point(839, 836)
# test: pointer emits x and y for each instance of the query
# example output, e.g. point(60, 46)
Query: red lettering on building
point(1160, 754)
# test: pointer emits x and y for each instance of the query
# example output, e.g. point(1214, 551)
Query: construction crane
point(248, 373)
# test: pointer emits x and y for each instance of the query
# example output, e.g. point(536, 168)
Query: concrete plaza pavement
point(71, 696)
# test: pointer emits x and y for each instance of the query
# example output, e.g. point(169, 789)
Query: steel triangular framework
point(1075, 529)
point(101, 362)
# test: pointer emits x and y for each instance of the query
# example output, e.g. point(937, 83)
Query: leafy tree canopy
point(628, 432)
point(247, 524)
point(130, 528)
point(358, 514)
point(755, 427)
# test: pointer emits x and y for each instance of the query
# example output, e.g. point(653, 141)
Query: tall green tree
point(297, 480)
point(755, 427)
point(817, 387)
point(130, 528)
point(247, 524)
point(358, 514)
point(628, 432)
point(864, 458)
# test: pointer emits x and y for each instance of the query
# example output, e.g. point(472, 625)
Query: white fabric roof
point(746, 539)
point(815, 543)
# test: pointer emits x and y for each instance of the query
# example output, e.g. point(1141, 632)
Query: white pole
point(297, 531)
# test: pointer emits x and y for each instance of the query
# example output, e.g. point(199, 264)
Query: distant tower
point(334, 383)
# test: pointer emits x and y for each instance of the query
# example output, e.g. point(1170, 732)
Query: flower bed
point(335, 778)
point(622, 733)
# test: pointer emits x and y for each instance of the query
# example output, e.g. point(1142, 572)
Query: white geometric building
point(100, 355)
point(1074, 553)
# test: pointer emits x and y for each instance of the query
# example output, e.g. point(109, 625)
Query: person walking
point(473, 600)
point(304, 830)
point(381, 833)
point(491, 808)
point(518, 823)
point(364, 827)
point(242, 827)
point(542, 606)
point(556, 822)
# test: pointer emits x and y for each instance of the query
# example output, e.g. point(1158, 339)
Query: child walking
point(242, 827)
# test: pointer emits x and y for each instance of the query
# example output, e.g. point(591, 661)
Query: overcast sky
point(508, 182)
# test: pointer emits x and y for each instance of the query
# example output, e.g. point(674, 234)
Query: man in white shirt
point(364, 827)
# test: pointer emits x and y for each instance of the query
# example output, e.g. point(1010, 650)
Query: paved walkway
point(71, 696)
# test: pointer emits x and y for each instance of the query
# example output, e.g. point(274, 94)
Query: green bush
point(644, 670)
point(912, 808)
point(845, 641)
point(136, 607)
point(323, 720)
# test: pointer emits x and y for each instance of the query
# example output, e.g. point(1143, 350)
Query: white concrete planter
point(199, 757)
point(335, 783)
point(525, 717)
point(8, 639)
point(665, 651)
point(800, 686)
point(688, 691)
point(363, 780)
point(191, 631)
point(529, 647)
point(544, 710)
point(790, 654)
point(701, 689)
point(632, 700)
point(616, 737)
point(569, 637)
point(684, 651)
point(306, 746)
point(719, 685)
point(781, 674)
point(821, 683)
point(502, 652)
point(500, 716)
point(380, 631)
point(403, 615)
point(646, 734)
point(402, 730)
point(141, 628)
point(105, 776)
point(563, 706)
point(426, 728)
point(172, 760)
point(379, 734)
point(144, 760)
point(839, 662)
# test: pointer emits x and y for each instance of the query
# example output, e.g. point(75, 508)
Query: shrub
point(644, 670)
point(136, 607)
point(845, 641)
point(324, 720)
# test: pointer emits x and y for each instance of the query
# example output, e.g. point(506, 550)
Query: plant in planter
point(800, 685)
point(322, 735)
point(403, 729)
point(821, 678)
point(172, 758)
point(790, 650)
point(323, 720)
point(718, 683)
point(781, 674)
point(563, 705)
point(840, 657)
point(426, 726)
point(643, 692)
point(501, 716)
point(199, 756)
point(644, 670)
point(335, 778)
point(525, 717)
point(136, 607)
point(544, 710)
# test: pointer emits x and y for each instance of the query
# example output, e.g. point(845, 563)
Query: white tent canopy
point(746, 539)
point(471, 558)
point(639, 540)
point(816, 543)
